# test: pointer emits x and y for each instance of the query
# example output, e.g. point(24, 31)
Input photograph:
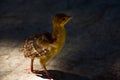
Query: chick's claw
point(36, 71)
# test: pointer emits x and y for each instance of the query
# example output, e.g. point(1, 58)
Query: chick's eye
point(63, 19)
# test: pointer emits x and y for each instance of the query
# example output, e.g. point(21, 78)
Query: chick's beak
point(70, 17)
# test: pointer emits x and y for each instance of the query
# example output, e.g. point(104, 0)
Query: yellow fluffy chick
point(46, 45)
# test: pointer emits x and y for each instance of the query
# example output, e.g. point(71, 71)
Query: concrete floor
point(92, 47)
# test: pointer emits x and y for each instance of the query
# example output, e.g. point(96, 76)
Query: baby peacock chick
point(46, 45)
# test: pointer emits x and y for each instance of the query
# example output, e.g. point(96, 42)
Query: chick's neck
point(59, 34)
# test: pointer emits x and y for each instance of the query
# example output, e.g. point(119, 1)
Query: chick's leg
point(32, 68)
point(46, 71)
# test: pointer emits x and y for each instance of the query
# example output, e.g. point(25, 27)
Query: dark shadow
point(59, 75)
point(108, 75)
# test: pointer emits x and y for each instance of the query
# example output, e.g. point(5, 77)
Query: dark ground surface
point(92, 48)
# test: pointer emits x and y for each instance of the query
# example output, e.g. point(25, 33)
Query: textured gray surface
point(92, 47)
